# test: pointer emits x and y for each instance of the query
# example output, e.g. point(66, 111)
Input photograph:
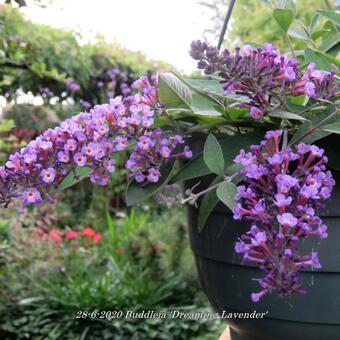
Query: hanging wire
point(225, 23)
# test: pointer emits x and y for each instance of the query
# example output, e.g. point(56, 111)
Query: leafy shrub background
point(142, 263)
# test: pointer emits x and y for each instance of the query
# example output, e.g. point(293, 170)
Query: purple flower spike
point(261, 75)
point(91, 139)
point(280, 201)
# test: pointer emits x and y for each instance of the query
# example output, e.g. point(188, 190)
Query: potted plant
point(261, 133)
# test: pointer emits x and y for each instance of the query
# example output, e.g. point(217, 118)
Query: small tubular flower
point(280, 200)
point(91, 139)
point(263, 75)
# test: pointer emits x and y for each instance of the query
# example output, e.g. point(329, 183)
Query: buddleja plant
point(275, 183)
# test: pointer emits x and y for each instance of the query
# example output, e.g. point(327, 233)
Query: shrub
point(46, 280)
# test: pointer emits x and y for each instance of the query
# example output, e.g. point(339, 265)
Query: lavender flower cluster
point(114, 75)
point(72, 85)
point(264, 76)
point(279, 195)
point(90, 139)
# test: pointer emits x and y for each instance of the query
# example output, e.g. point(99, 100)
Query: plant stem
point(193, 197)
point(322, 122)
point(290, 46)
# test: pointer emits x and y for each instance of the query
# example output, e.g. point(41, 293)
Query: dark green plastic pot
point(227, 281)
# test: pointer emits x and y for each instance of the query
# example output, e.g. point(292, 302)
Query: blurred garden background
point(87, 251)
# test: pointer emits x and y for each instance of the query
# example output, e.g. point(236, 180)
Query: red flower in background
point(89, 232)
point(93, 234)
point(72, 234)
point(55, 235)
point(97, 237)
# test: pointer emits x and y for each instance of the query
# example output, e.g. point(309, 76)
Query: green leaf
point(310, 131)
point(71, 179)
point(230, 145)
point(333, 128)
point(313, 23)
point(330, 15)
point(173, 93)
point(208, 85)
point(317, 58)
point(297, 103)
point(284, 17)
point(268, 3)
point(226, 193)
point(319, 33)
point(203, 105)
point(286, 115)
point(210, 199)
point(207, 205)
point(237, 112)
point(213, 156)
point(331, 59)
point(193, 169)
point(331, 41)
point(135, 192)
point(204, 102)
point(298, 33)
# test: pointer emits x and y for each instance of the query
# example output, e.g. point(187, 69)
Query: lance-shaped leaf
point(204, 105)
point(210, 86)
point(230, 145)
point(173, 93)
point(226, 192)
point(312, 130)
point(298, 33)
point(284, 17)
point(315, 57)
point(203, 102)
point(73, 178)
point(207, 205)
point(333, 128)
point(210, 199)
point(330, 15)
point(331, 41)
point(286, 115)
point(213, 156)
point(193, 169)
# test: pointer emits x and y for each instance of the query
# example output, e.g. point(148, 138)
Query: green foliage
point(333, 128)
point(207, 205)
point(34, 56)
point(312, 130)
point(213, 156)
point(226, 192)
point(140, 264)
point(173, 93)
point(30, 120)
point(252, 21)
point(230, 146)
point(284, 17)
point(8, 142)
point(74, 177)
point(304, 118)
